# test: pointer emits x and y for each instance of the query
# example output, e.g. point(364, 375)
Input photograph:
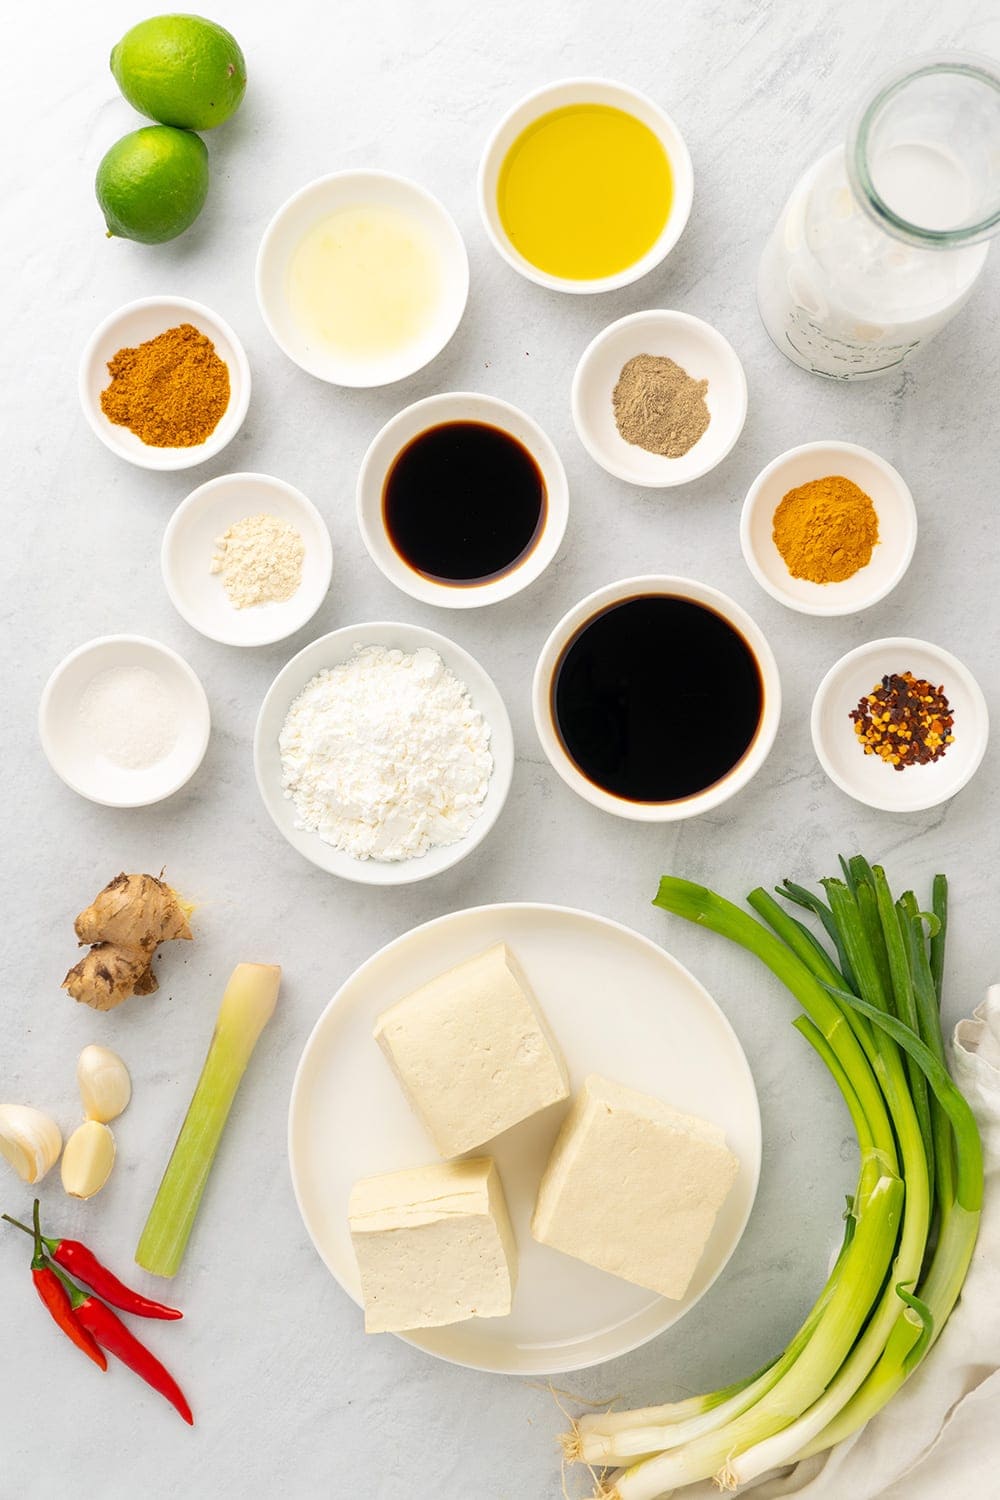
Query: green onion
point(872, 1014)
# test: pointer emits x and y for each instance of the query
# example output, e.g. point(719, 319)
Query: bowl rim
point(360, 174)
point(456, 658)
point(665, 316)
point(614, 593)
point(167, 460)
point(190, 502)
point(469, 596)
point(753, 499)
point(680, 164)
point(954, 668)
point(199, 697)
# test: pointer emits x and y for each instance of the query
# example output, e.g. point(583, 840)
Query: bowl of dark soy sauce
point(656, 698)
point(462, 500)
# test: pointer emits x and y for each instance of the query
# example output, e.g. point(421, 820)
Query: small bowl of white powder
point(124, 721)
point(246, 559)
point(383, 753)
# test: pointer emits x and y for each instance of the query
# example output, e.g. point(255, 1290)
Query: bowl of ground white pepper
point(164, 383)
point(659, 398)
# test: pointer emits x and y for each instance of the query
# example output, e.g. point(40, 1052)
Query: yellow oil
point(585, 191)
point(365, 281)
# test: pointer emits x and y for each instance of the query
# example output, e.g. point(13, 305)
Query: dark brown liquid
point(657, 698)
point(464, 503)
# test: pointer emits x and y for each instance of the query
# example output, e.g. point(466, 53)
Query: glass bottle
point(883, 239)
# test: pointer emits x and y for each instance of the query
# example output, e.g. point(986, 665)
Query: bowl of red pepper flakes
point(900, 724)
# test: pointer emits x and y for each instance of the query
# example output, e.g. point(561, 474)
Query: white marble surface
point(291, 1398)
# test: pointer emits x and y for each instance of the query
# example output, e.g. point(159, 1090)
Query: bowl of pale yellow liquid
point(585, 185)
point(362, 278)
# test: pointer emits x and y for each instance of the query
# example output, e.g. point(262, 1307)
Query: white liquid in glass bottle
point(882, 241)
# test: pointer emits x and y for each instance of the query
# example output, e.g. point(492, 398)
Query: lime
point(181, 70)
point(152, 184)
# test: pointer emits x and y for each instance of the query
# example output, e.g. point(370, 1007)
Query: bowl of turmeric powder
point(828, 528)
point(164, 383)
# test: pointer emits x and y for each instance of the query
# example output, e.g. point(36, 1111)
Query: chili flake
point(904, 720)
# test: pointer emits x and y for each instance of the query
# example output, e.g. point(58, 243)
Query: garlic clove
point(105, 1085)
point(88, 1159)
point(29, 1140)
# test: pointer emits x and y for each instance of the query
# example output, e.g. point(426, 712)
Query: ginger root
point(124, 925)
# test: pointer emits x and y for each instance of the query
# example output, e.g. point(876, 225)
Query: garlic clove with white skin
point(88, 1159)
point(105, 1085)
point(29, 1140)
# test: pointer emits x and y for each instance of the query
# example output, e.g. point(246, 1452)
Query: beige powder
point(260, 559)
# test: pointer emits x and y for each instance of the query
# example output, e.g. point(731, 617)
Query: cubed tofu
point(473, 1052)
point(634, 1187)
point(434, 1245)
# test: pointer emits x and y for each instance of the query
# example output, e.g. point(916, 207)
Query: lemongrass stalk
point(623, 1437)
point(247, 1006)
point(865, 1265)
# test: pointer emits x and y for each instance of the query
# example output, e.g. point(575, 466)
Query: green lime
point(181, 70)
point(152, 184)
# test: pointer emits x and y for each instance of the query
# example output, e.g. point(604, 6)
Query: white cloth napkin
point(940, 1435)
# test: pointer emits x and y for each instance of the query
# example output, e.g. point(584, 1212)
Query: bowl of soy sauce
point(656, 698)
point(462, 500)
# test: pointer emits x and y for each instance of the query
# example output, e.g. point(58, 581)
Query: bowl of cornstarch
point(124, 721)
point(246, 559)
point(383, 753)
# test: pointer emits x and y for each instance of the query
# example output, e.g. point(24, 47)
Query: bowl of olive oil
point(585, 185)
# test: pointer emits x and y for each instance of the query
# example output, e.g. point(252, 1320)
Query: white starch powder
point(385, 756)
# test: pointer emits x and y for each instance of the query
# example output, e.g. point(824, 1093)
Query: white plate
point(329, 651)
point(897, 525)
point(460, 406)
point(619, 1005)
point(568, 91)
point(134, 324)
point(292, 223)
point(700, 350)
point(83, 767)
point(865, 777)
point(189, 544)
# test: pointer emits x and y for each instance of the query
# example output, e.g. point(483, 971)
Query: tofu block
point(633, 1187)
point(472, 1052)
point(434, 1245)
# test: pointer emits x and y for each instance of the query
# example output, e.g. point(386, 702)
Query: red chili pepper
point(84, 1265)
point(56, 1299)
point(109, 1330)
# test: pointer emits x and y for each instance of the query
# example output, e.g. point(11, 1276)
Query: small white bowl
point(702, 352)
point(294, 220)
point(329, 651)
point(135, 324)
point(720, 791)
point(586, 91)
point(460, 406)
point(189, 543)
point(868, 779)
point(80, 764)
point(897, 527)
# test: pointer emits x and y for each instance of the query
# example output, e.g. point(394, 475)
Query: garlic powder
point(260, 559)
